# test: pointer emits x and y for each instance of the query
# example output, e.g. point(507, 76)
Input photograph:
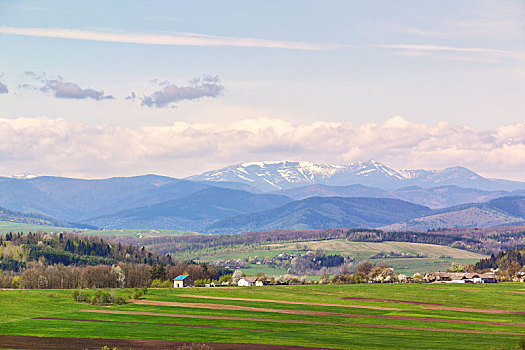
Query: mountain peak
point(284, 174)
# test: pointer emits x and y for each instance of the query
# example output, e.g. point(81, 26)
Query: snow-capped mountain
point(277, 175)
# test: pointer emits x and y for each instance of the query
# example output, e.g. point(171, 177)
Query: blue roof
point(181, 277)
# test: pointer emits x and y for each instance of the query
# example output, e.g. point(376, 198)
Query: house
point(460, 277)
point(519, 277)
point(182, 281)
point(250, 281)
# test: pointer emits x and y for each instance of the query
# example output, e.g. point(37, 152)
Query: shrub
point(137, 293)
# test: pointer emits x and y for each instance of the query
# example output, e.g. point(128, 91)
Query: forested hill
point(37, 219)
point(509, 262)
point(16, 250)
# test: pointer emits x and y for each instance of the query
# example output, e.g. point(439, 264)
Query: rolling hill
point(193, 212)
point(322, 213)
point(77, 199)
point(435, 197)
point(497, 212)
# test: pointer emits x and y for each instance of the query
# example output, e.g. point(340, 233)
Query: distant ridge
point(278, 175)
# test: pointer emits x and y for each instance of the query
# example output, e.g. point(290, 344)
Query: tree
point(237, 274)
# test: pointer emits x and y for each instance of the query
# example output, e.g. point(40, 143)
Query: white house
point(250, 281)
point(460, 277)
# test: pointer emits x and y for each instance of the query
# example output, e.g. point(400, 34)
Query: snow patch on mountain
point(276, 175)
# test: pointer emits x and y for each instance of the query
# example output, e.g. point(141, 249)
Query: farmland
point(8, 226)
point(436, 257)
point(408, 316)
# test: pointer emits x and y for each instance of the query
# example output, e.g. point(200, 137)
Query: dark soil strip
point(292, 302)
point(59, 343)
point(486, 311)
point(410, 318)
point(392, 301)
point(149, 323)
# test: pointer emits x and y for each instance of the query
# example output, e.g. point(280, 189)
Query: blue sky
point(178, 87)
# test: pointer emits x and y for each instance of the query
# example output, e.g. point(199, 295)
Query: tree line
point(42, 260)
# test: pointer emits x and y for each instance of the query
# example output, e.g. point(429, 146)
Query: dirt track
point(486, 311)
point(278, 320)
point(293, 302)
point(235, 307)
point(59, 343)
point(150, 323)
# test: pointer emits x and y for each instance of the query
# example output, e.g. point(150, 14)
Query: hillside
point(18, 250)
point(323, 213)
point(497, 212)
point(434, 197)
point(193, 212)
point(36, 219)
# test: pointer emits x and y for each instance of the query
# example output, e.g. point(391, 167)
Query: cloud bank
point(179, 39)
point(208, 86)
point(61, 147)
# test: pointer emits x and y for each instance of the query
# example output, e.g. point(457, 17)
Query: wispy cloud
point(208, 86)
point(445, 48)
point(476, 54)
point(178, 39)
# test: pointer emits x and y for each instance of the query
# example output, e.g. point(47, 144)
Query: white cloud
point(179, 39)
point(61, 147)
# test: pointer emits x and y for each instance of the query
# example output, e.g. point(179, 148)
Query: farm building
point(250, 281)
point(460, 277)
point(182, 281)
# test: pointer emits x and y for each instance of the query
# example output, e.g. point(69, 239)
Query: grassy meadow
point(7, 226)
point(316, 317)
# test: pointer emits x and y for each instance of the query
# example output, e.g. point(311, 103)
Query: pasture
point(7, 226)
point(438, 257)
point(365, 316)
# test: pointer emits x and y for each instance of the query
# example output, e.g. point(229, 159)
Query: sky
point(95, 89)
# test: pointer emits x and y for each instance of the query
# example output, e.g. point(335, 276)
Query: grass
point(19, 306)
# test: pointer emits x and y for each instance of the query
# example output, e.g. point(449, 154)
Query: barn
point(182, 281)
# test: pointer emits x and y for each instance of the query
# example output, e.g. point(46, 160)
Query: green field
point(138, 233)
point(438, 257)
point(7, 226)
point(349, 324)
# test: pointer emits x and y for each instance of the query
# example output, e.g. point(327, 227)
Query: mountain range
point(273, 195)
point(268, 176)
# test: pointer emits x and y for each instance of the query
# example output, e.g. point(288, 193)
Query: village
point(182, 281)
